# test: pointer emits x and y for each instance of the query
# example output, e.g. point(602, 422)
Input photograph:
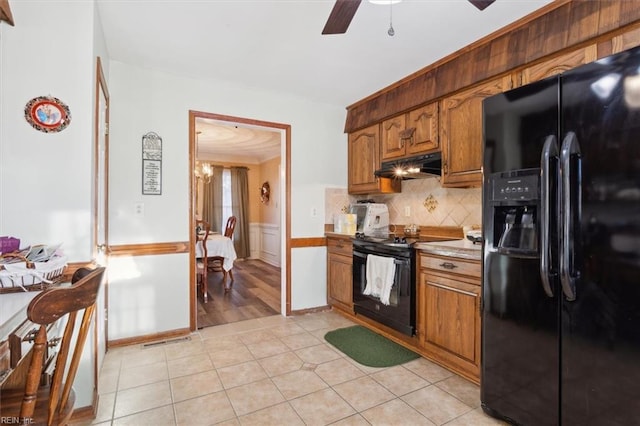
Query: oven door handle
point(358, 254)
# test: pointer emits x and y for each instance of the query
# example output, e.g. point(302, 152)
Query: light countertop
point(461, 248)
point(338, 235)
point(464, 249)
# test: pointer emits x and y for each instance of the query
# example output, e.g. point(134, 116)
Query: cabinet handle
point(448, 265)
point(445, 167)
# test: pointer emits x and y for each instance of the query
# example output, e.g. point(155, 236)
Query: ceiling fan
point(344, 10)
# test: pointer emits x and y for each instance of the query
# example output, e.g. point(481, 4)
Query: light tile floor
point(276, 371)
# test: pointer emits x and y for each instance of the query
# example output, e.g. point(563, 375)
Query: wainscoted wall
point(429, 204)
point(265, 243)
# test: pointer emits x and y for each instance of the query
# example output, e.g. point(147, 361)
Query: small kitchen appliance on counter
point(372, 219)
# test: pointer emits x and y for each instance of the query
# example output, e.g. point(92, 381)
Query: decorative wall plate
point(265, 192)
point(47, 114)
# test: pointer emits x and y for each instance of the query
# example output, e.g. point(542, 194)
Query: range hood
point(420, 166)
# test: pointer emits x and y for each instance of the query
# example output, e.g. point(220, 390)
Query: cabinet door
point(392, 145)
point(450, 321)
point(425, 122)
point(461, 133)
point(559, 64)
point(364, 160)
point(340, 281)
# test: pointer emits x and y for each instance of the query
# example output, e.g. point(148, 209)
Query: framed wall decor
point(47, 114)
point(151, 164)
point(265, 193)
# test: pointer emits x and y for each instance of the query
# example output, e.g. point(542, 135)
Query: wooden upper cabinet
point(393, 144)
point(364, 160)
point(461, 133)
point(559, 64)
point(425, 121)
point(409, 134)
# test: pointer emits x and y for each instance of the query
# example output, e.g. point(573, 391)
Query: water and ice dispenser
point(515, 205)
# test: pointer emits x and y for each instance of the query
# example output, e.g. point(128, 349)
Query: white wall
point(310, 272)
point(144, 100)
point(46, 179)
point(46, 186)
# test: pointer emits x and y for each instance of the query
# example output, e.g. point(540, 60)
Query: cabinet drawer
point(339, 246)
point(451, 265)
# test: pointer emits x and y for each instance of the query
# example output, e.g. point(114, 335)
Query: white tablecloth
point(219, 245)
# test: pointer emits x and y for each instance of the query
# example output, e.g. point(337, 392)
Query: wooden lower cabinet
point(448, 312)
point(339, 274)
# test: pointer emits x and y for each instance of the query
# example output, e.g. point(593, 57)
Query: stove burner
point(400, 240)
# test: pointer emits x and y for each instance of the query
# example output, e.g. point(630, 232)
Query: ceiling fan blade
point(341, 16)
point(481, 4)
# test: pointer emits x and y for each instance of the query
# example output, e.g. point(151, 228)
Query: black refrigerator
point(561, 249)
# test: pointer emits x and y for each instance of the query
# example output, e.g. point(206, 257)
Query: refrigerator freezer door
point(601, 327)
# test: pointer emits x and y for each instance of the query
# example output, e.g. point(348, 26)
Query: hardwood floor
point(255, 293)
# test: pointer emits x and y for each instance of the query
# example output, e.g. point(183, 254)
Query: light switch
point(138, 209)
point(407, 211)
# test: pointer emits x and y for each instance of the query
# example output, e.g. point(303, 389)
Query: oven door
point(400, 314)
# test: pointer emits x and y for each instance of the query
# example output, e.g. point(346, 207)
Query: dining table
point(219, 245)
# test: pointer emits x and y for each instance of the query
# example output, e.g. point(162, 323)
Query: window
point(227, 210)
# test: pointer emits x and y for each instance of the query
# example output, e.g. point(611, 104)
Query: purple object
point(9, 244)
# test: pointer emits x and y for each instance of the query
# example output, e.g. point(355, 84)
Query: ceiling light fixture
point(202, 170)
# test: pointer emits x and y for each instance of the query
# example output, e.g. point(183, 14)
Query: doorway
point(261, 285)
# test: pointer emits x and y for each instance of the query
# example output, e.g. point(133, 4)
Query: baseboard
point(84, 415)
point(148, 338)
point(311, 310)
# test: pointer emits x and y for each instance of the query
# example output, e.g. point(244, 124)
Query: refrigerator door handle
point(549, 151)
point(571, 208)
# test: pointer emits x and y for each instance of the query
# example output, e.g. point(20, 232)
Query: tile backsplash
point(426, 201)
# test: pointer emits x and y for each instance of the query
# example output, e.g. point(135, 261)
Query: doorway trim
point(100, 209)
point(192, 184)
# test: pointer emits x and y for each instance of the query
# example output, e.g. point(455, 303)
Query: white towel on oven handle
point(381, 272)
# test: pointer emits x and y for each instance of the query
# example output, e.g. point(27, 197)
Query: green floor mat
point(369, 348)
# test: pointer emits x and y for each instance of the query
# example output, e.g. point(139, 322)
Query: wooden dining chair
point(52, 404)
point(202, 233)
point(216, 262)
